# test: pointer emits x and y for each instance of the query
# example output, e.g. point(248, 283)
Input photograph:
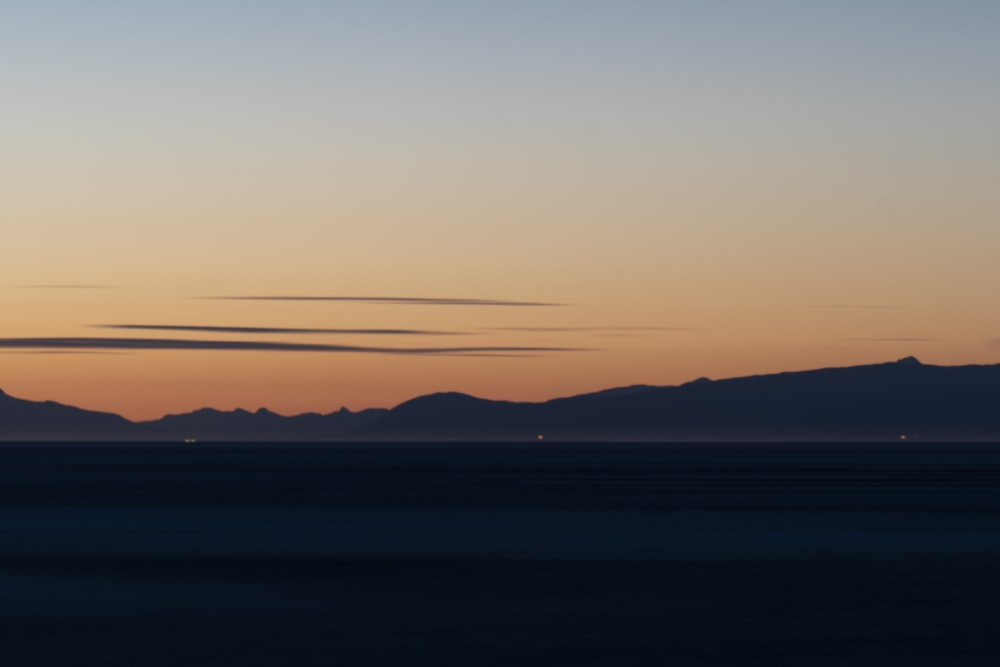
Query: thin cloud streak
point(495, 355)
point(853, 306)
point(254, 346)
point(586, 329)
point(899, 339)
point(58, 352)
point(277, 330)
point(393, 300)
point(67, 286)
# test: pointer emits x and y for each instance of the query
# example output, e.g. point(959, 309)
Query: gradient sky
point(547, 196)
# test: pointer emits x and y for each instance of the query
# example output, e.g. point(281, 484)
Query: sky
point(309, 204)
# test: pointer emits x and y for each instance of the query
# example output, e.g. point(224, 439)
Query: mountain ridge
point(889, 400)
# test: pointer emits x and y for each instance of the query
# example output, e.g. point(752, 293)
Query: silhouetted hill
point(873, 402)
point(35, 420)
point(453, 416)
point(262, 425)
point(880, 401)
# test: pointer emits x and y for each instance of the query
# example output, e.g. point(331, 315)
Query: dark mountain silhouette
point(872, 402)
point(262, 425)
point(32, 420)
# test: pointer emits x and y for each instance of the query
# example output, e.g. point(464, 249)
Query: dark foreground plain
point(860, 554)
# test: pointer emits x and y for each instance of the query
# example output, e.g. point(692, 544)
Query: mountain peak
point(909, 361)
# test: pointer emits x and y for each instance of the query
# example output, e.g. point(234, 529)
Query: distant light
point(541, 437)
point(904, 437)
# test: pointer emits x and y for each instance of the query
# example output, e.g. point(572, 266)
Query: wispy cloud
point(586, 329)
point(511, 355)
point(257, 346)
point(59, 352)
point(276, 330)
point(81, 286)
point(394, 300)
point(853, 306)
point(897, 339)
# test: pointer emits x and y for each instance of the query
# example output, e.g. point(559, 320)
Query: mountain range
point(902, 399)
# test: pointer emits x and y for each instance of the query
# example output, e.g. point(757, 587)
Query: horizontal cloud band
point(398, 300)
point(258, 346)
point(897, 339)
point(585, 329)
point(276, 330)
point(68, 286)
